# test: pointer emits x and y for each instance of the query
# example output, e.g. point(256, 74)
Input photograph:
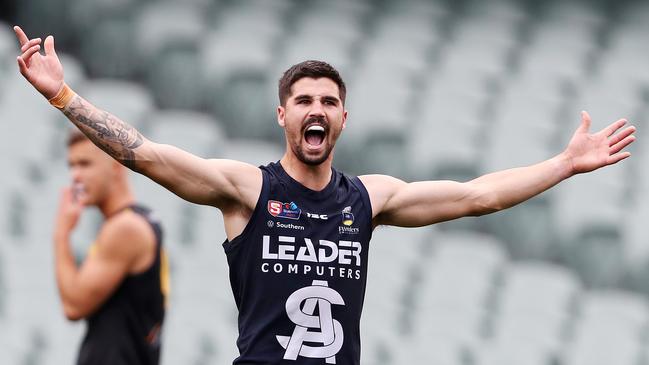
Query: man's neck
point(117, 200)
point(313, 177)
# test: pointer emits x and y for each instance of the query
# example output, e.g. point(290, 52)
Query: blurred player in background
point(298, 230)
point(120, 288)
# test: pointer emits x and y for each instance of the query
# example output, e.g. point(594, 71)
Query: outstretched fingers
point(49, 46)
point(620, 136)
point(613, 159)
point(584, 127)
point(620, 141)
point(613, 127)
point(30, 44)
point(621, 144)
point(26, 56)
point(22, 37)
point(22, 66)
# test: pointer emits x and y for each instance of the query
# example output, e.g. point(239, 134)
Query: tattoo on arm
point(109, 133)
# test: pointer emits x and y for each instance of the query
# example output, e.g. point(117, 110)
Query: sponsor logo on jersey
point(289, 226)
point(305, 249)
point(284, 210)
point(272, 224)
point(348, 220)
point(323, 217)
point(305, 256)
point(312, 328)
point(348, 217)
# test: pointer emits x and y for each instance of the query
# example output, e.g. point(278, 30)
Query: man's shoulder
point(378, 182)
point(131, 218)
point(125, 231)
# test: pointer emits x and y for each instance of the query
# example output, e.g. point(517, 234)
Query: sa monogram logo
point(331, 332)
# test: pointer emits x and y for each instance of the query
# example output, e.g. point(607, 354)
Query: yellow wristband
point(63, 98)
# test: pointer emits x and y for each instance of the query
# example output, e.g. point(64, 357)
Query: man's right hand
point(45, 73)
point(68, 214)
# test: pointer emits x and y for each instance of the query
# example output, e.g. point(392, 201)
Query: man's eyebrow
point(331, 98)
point(303, 96)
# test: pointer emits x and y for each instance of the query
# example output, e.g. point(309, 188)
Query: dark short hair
point(75, 136)
point(313, 69)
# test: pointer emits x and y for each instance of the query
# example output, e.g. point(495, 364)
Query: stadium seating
point(7, 47)
point(126, 100)
point(436, 89)
point(610, 329)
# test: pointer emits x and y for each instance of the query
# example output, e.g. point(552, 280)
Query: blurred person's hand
point(67, 216)
point(45, 73)
point(587, 152)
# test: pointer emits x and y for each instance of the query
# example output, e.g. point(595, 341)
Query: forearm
point(504, 189)
point(195, 179)
point(66, 273)
point(114, 136)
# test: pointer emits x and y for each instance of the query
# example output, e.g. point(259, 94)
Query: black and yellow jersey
point(126, 329)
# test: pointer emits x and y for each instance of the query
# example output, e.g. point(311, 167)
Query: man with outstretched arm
point(298, 230)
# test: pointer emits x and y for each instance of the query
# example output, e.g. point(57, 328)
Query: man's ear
point(344, 118)
point(281, 113)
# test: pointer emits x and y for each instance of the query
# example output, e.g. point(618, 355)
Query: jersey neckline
point(312, 194)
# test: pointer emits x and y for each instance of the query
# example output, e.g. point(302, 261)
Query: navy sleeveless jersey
point(298, 272)
point(126, 329)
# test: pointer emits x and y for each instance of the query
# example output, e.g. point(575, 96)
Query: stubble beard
point(299, 151)
point(311, 161)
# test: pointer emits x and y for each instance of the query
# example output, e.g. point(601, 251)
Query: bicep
point(199, 180)
point(99, 276)
point(420, 203)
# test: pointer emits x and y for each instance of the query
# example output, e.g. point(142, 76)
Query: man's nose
point(75, 174)
point(317, 109)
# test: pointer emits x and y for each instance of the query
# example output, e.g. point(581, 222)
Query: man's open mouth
point(315, 135)
point(78, 191)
